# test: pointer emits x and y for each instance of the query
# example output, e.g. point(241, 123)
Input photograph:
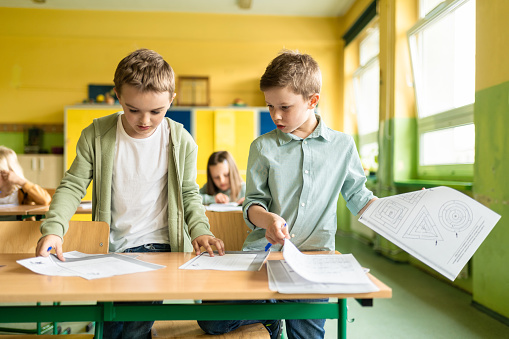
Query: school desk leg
point(99, 325)
point(342, 319)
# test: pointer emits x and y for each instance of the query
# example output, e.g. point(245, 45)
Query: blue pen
point(49, 248)
point(269, 244)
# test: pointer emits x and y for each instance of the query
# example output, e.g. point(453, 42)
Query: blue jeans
point(134, 329)
point(295, 328)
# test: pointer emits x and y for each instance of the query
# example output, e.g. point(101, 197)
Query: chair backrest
point(229, 227)
point(84, 236)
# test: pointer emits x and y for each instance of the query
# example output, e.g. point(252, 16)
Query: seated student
point(224, 183)
point(295, 174)
point(143, 167)
point(14, 187)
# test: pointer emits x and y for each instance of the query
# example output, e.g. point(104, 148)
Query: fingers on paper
point(207, 241)
point(48, 244)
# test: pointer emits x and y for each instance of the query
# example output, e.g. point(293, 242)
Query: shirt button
point(303, 204)
point(305, 142)
point(306, 171)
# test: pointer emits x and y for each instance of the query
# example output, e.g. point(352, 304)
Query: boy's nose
point(145, 118)
point(275, 115)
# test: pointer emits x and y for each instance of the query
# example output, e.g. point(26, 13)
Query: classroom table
point(171, 284)
point(26, 211)
point(19, 211)
point(39, 210)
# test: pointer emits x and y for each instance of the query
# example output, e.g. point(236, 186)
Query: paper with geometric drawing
point(439, 226)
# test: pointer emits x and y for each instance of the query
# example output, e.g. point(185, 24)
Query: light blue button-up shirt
point(300, 180)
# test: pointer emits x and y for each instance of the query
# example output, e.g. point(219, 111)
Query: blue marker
point(49, 248)
point(269, 244)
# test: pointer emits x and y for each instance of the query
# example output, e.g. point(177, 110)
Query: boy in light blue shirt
point(295, 174)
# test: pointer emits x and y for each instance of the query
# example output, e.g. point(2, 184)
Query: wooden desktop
point(170, 283)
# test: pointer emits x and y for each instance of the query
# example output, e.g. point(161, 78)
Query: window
point(442, 49)
point(366, 81)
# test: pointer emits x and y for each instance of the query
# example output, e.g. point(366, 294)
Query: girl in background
point(15, 189)
point(224, 183)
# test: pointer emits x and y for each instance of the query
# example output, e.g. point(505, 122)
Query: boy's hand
point(53, 241)
point(277, 231)
point(207, 241)
point(222, 198)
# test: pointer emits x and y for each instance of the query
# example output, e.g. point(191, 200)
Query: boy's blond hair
point(299, 72)
point(146, 70)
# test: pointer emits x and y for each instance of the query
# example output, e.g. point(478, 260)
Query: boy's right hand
point(277, 231)
point(50, 240)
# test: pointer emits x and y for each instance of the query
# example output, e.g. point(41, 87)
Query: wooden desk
point(41, 210)
point(19, 210)
point(21, 285)
point(24, 211)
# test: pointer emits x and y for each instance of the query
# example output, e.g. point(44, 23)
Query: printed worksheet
point(228, 207)
point(324, 268)
point(317, 273)
point(230, 261)
point(439, 226)
point(88, 266)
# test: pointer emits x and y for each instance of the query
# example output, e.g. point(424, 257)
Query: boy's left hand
point(207, 241)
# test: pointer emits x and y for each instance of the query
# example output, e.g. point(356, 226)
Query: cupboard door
point(45, 170)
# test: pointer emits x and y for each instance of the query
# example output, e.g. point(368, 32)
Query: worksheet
point(228, 207)
point(88, 266)
point(230, 261)
point(317, 273)
point(439, 226)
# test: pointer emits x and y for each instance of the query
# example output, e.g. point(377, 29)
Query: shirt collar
point(320, 131)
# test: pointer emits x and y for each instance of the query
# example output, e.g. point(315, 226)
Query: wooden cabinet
point(45, 170)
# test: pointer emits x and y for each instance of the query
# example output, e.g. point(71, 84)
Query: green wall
point(491, 188)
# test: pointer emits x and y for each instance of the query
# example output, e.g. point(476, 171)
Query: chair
point(229, 227)
point(21, 237)
point(83, 236)
point(189, 329)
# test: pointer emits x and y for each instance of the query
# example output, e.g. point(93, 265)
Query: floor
point(421, 305)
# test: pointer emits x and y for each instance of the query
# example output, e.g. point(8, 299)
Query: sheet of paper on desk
point(88, 266)
point(231, 206)
point(86, 204)
point(330, 273)
point(231, 261)
point(439, 226)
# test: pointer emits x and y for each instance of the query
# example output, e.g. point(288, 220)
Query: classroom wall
point(488, 280)
point(491, 187)
point(50, 56)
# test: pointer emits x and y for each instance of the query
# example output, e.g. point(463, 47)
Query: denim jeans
point(295, 328)
point(134, 329)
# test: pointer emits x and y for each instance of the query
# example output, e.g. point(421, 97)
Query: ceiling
point(311, 8)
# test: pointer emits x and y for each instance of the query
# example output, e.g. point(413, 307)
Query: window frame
point(447, 119)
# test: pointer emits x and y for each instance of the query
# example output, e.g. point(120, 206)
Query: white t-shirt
point(11, 199)
point(140, 189)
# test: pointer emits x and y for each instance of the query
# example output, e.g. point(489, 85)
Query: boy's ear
point(173, 98)
point(116, 92)
point(313, 100)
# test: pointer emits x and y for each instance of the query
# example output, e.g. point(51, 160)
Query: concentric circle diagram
point(455, 216)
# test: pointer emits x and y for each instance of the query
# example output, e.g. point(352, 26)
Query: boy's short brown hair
point(299, 72)
point(146, 70)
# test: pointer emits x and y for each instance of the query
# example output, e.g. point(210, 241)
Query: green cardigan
point(94, 161)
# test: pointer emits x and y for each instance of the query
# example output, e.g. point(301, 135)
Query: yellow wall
point(492, 67)
point(50, 56)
